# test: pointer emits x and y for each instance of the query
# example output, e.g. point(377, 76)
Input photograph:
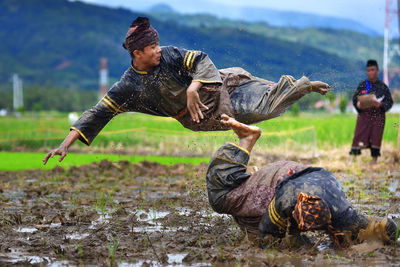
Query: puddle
point(151, 218)
point(63, 263)
point(103, 218)
point(158, 228)
point(76, 236)
point(18, 256)
point(322, 247)
point(151, 215)
point(26, 229)
point(174, 259)
point(393, 186)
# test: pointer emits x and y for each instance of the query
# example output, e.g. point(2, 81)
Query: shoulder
point(129, 76)
point(171, 50)
point(129, 80)
point(382, 84)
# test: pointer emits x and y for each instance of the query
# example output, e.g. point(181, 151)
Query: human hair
point(372, 62)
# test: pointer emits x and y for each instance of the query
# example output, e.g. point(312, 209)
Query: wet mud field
point(147, 214)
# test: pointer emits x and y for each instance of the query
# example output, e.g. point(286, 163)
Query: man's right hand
point(62, 151)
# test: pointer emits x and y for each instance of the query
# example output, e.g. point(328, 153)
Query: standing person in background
point(371, 118)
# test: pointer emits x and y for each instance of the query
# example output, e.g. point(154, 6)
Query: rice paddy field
point(137, 196)
point(139, 132)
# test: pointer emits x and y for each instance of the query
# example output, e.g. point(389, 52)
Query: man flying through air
point(185, 84)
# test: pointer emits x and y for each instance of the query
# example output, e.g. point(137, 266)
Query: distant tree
point(295, 110)
point(343, 104)
point(37, 107)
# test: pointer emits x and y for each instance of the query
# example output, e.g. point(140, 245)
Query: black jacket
point(161, 92)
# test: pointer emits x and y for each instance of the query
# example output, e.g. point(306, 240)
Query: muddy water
point(152, 215)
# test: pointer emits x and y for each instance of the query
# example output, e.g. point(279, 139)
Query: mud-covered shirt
point(313, 181)
point(161, 92)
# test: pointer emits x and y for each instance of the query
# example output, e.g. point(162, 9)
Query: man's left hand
point(194, 104)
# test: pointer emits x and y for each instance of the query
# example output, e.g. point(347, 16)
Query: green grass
point(15, 161)
point(131, 130)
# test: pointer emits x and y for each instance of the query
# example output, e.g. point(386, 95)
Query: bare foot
point(248, 135)
point(319, 87)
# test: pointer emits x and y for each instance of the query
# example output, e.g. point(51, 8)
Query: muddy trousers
point(226, 171)
point(254, 100)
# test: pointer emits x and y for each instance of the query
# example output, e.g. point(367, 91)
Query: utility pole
point(17, 92)
point(398, 21)
point(386, 43)
point(103, 80)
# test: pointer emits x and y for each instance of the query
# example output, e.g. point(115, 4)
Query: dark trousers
point(226, 171)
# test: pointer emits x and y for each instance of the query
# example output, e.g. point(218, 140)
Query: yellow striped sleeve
point(189, 59)
point(241, 148)
point(115, 103)
point(108, 103)
point(184, 60)
point(290, 80)
point(274, 216)
point(81, 134)
point(204, 81)
point(230, 161)
point(192, 61)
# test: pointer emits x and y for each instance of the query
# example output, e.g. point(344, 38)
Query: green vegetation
point(166, 135)
point(15, 161)
point(38, 98)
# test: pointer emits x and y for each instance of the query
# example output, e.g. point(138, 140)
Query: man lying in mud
point(185, 84)
point(284, 197)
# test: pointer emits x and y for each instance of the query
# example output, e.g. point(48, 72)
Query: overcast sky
point(371, 13)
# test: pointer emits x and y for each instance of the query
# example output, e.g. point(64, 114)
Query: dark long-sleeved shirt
point(161, 92)
point(379, 89)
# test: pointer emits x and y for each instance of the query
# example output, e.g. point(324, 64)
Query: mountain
point(61, 42)
point(344, 43)
point(273, 17)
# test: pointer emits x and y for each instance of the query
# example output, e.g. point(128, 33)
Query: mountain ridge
point(61, 42)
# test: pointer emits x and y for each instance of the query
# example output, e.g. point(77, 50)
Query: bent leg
point(227, 169)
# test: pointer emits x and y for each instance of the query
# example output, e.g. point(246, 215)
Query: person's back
point(246, 203)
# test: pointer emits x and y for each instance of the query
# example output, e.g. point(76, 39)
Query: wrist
point(64, 146)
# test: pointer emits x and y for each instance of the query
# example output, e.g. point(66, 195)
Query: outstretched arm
point(62, 150)
point(93, 120)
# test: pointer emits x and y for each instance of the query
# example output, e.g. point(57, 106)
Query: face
point(149, 57)
point(372, 73)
